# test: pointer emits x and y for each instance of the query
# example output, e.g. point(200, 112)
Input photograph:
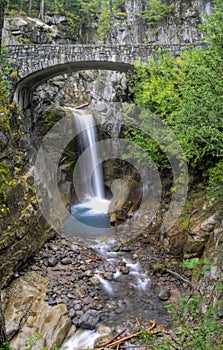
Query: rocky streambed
point(70, 286)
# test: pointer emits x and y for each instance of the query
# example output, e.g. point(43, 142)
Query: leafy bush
point(156, 10)
point(196, 330)
point(186, 92)
point(213, 26)
point(190, 263)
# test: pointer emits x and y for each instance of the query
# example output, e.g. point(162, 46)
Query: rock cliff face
point(179, 26)
point(128, 26)
point(75, 89)
point(31, 311)
point(24, 30)
point(22, 227)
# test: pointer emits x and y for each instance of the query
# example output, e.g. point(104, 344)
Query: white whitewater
point(107, 286)
point(90, 212)
point(141, 278)
point(81, 340)
point(90, 170)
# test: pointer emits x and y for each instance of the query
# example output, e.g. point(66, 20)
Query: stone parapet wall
point(31, 58)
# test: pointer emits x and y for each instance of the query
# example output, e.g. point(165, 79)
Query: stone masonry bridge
point(35, 64)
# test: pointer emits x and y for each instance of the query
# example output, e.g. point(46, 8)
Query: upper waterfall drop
point(89, 172)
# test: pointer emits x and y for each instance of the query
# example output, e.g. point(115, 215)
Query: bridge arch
point(26, 86)
point(38, 63)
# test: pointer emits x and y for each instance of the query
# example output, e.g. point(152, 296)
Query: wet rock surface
point(69, 266)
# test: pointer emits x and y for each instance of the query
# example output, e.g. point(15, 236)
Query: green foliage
point(156, 10)
point(6, 346)
point(202, 266)
point(6, 181)
point(184, 219)
point(29, 344)
point(159, 267)
point(23, 40)
point(187, 93)
point(50, 118)
point(196, 330)
point(104, 20)
point(199, 266)
point(218, 286)
point(118, 5)
point(4, 84)
point(190, 263)
point(79, 14)
point(213, 26)
point(153, 154)
point(4, 119)
point(4, 92)
point(105, 16)
point(193, 333)
point(215, 184)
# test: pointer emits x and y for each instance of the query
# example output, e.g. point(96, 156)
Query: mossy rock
point(51, 117)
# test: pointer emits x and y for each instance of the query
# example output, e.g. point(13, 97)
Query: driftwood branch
point(83, 105)
point(112, 339)
point(179, 276)
point(111, 343)
point(142, 347)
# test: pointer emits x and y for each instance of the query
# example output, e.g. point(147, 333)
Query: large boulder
point(89, 319)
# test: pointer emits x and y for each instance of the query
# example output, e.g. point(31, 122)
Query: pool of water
point(89, 219)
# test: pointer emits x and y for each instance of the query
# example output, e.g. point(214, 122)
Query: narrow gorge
point(108, 226)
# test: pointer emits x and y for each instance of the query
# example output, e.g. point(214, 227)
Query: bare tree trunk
point(30, 8)
point(21, 5)
point(2, 319)
point(2, 326)
point(2, 10)
point(110, 19)
point(41, 10)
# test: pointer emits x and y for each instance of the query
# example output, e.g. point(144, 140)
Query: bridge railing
point(27, 59)
point(56, 49)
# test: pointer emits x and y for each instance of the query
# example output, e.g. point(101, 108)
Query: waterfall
point(90, 173)
point(90, 212)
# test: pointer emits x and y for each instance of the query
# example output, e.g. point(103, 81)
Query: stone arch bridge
point(35, 64)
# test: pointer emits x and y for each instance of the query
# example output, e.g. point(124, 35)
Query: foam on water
point(141, 278)
point(105, 284)
point(82, 339)
point(97, 204)
point(117, 274)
